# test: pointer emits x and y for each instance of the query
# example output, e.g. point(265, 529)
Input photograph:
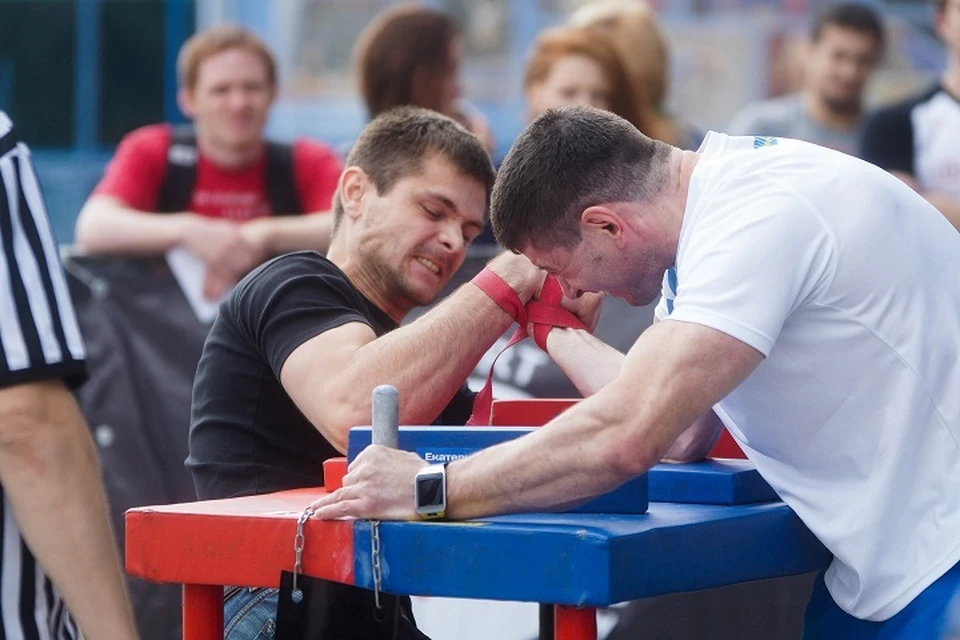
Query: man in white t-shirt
point(813, 308)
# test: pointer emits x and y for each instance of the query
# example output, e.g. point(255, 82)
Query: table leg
point(573, 623)
point(202, 612)
point(546, 622)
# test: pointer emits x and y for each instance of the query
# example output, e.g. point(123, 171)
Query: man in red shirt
point(230, 219)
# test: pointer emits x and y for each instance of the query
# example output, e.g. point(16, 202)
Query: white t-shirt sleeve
point(744, 269)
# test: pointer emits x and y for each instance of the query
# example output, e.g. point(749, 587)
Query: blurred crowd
point(611, 54)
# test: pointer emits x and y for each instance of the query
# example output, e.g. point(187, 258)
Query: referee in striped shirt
point(52, 501)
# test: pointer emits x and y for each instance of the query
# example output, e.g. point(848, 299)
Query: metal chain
point(298, 543)
point(375, 561)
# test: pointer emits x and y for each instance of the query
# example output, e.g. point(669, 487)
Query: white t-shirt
point(849, 283)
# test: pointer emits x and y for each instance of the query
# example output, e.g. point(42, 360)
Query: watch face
point(430, 490)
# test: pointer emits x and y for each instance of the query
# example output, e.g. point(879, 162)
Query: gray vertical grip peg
point(386, 416)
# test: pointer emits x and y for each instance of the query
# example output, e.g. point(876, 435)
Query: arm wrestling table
point(578, 561)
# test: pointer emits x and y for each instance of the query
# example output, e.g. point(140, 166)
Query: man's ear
point(185, 102)
point(602, 220)
point(354, 183)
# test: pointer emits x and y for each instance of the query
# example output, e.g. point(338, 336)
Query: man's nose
point(451, 237)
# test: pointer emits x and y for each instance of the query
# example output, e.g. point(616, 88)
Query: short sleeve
point(290, 300)
point(748, 269)
point(40, 333)
point(887, 139)
point(316, 172)
point(136, 171)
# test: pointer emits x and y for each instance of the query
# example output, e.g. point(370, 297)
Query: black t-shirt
point(246, 435)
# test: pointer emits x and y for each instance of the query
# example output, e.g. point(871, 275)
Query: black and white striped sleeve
point(39, 334)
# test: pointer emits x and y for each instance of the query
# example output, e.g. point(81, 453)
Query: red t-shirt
point(135, 174)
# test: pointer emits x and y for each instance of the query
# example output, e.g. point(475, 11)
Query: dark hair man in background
point(846, 44)
point(918, 140)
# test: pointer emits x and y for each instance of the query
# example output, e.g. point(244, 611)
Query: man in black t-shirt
point(295, 352)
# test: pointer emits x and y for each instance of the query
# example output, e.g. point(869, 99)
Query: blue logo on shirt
point(763, 141)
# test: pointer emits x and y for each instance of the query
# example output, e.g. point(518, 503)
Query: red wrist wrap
point(501, 293)
point(546, 313)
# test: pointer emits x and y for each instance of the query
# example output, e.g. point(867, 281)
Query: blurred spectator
point(52, 494)
point(633, 28)
point(219, 173)
point(846, 44)
point(411, 55)
point(571, 65)
point(919, 140)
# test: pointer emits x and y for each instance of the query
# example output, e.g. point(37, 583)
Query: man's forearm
point(589, 362)
point(107, 226)
point(283, 234)
point(428, 360)
point(50, 474)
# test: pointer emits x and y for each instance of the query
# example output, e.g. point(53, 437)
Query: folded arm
point(106, 225)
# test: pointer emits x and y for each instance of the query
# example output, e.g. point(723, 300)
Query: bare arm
point(50, 473)
point(108, 226)
point(331, 376)
point(591, 364)
point(283, 234)
point(674, 373)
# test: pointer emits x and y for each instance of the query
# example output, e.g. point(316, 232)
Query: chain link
point(298, 543)
point(375, 561)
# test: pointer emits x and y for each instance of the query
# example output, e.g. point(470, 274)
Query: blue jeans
point(249, 613)
point(924, 618)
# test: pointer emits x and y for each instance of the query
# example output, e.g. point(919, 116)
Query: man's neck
point(821, 113)
point(362, 280)
point(681, 174)
point(229, 157)
point(951, 77)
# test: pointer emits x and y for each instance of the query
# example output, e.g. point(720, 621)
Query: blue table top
point(591, 559)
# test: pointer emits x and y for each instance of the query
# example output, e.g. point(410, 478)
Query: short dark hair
point(395, 145)
point(854, 16)
point(567, 160)
point(401, 56)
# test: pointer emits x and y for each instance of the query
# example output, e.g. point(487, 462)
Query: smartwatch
point(430, 491)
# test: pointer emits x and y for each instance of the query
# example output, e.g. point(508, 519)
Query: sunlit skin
point(229, 104)
point(410, 240)
point(838, 68)
point(573, 79)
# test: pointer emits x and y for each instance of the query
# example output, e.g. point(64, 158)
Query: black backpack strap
point(181, 174)
point(281, 181)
